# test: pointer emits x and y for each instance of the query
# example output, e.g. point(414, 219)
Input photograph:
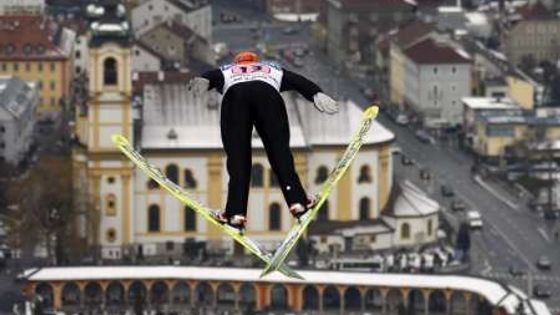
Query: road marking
point(543, 234)
point(495, 193)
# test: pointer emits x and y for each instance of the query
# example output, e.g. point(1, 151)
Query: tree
point(42, 201)
point(528, 63)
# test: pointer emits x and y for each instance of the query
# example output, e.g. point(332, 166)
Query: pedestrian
point(251, 97)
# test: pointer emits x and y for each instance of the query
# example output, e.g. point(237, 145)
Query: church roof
point(174, 118)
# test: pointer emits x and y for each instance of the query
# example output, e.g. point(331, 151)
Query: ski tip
point(119, 139)
point(371, 111)
point(266, 272)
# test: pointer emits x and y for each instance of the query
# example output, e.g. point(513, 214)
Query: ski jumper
point(251, 97)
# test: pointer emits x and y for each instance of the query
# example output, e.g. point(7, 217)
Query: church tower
point(108, 111)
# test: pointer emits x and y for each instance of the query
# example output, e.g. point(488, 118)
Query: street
point(512, 235)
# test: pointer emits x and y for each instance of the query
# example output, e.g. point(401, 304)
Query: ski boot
point(237, 221)
point(298, 210)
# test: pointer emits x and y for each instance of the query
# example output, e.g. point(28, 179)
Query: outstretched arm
point(296, 82)
point(215, 78)
point(311, 91)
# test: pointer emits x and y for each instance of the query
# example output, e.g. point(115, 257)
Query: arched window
point(257, 175)
point(364, 209)
point(323, 214)
point(152, 184)
point(405, 231)
point(274, 217)
point(172, 172)
point(190, 182)
point(190, 219)
point(110, 205)
point(110, 71)
point(430, 227)
point(365, 174)
point(273, 179)
point(322, 174)
point(153, 218)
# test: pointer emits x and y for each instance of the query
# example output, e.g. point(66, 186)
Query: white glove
point(325, 103)
point(198, 85)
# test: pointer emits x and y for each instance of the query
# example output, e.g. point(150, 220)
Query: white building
point(436, 77)
point(18, 101)
point(197, 15)
point(22, 7)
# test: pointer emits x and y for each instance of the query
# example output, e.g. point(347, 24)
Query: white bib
point(268, 72)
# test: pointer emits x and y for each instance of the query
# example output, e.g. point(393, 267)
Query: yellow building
point(34, 48)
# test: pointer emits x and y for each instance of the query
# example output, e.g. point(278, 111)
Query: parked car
point(423, 136)
point(474, 219)
point(544, 263)
point(402, 119)
point(405, 160)
point(516, 271)
point(458, 205)
point(425, 174)
point(541, 292)
point(447, 191)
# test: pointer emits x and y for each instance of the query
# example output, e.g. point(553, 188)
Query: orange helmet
point(246, 57)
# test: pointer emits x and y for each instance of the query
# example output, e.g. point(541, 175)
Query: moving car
point(423, 136)
point(516, 271)
point(474, 219)
point(544, 263)
point(541, 291)
point(401, 119)
point(447, 191)
point(458, 205)
point(405, 160)
point(425, 174)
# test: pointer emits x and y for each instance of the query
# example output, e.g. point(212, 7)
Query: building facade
point(22, 7)
point(429, 78)
point(18, 102)
point(34, 48)
point(537, 34)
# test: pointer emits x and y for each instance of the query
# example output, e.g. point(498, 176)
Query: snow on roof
point(488, 103)
point(413, 202)
point(493, 292)
point(453, 9)
point(476, 18)
point(292, 17)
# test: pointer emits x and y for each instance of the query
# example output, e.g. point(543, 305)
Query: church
point(178, 131)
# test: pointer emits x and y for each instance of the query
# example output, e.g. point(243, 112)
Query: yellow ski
point(154, 173)
point(301, 225)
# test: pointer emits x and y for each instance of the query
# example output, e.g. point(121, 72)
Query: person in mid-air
point(251, 97)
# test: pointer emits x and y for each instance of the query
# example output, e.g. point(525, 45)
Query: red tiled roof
point(535, 11)
point(411, 32)
point(430, 52)
point(29, 37)
point(369, 4)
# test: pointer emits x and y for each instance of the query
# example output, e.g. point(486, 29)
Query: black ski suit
point(251, 96)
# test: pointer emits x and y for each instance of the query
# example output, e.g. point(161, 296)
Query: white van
point(474, 219)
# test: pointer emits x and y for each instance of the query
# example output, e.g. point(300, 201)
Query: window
point(405, 231)
point(137, 52)
point(152, 184)
point(364, 209)
point(111, 180)
point(52, 85)
point(27, 67)
point(499, 131)
point(111, 235)
point(190, 182)
point(365, 176)
point(274, 217)
point(40, 66)
point(153, 218)
point(53, 101)
point(322, 174)
point(150, 7)
point(172, 173)
point(323, 214)
point(16, 66)
point(190, 219)
point(4, 67)
point(430, 227)
point(53, 66)
point(435, 70)
point(373, 238)
point(110, 205)
point(257, 175)
point(273, 179)
point(453, 69)
point(110, 71)
point(40, 85)
point(169, 246)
